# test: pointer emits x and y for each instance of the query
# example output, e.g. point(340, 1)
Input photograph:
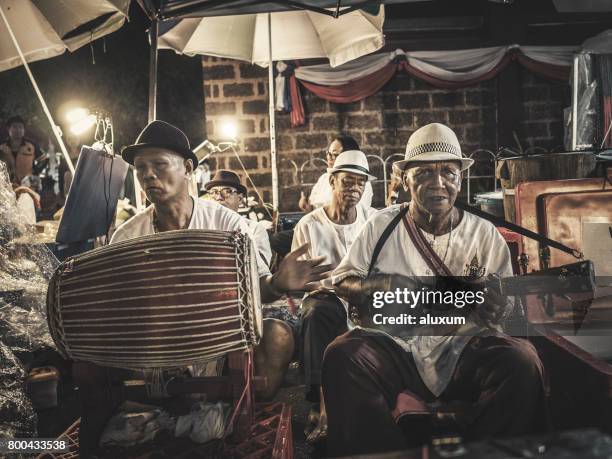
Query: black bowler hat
point(226, 178)
point(162, 135)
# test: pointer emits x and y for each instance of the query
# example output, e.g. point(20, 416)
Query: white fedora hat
point(433, 142)
point(353, 161)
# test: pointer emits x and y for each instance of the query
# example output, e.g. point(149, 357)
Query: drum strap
point(430, 257)
point(498, 221)
point(385, 235)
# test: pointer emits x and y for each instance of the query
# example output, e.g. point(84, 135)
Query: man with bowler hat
point(164, 163)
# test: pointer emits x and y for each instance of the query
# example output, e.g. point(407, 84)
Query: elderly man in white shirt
point(473, 376)
point(164, 163)
point(321, 191)
point(330, 231)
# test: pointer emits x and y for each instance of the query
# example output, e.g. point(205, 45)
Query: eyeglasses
point(225, 192)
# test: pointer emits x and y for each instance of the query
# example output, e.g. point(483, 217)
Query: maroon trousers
point(497, 386)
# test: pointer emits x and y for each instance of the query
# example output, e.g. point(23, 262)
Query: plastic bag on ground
point(17, 417)
point(205, 422)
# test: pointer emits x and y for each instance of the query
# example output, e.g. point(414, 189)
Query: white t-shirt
point(207, 215)
point(328, 239)
point(259, 234)
point(321, 193)
point(474, 243)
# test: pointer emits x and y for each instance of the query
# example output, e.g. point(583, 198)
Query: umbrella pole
point(272, 120)
point(575, 102)
point(54, 127)
point(153, 33)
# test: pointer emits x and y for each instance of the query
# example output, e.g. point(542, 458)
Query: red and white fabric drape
point(365, 76)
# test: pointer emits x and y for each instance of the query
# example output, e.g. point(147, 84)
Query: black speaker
point(92, 199)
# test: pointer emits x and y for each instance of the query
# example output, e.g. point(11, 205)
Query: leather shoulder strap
point(385, 235)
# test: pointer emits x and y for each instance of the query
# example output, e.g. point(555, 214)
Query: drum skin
point(165, 300)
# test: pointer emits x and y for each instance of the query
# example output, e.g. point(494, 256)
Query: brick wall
point(381, 123)
point(543, 103)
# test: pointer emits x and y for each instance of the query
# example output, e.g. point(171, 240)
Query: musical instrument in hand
point(575, 278)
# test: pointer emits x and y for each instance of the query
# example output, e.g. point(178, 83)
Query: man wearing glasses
point(273, 360)
point(227, 189)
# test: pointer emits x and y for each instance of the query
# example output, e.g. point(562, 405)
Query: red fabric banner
point(371, 84)
point(554, 72)
point(355, 90)
point(447, 84)
point(298, 117)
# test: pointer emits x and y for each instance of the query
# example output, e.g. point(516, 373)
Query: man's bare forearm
point(355, 290)
point(268, 292)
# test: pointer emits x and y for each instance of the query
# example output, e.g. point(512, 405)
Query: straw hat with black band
point(353, 161)
point(432, 143)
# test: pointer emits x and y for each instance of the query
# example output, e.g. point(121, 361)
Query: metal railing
point(479, 156)
point(491, 157)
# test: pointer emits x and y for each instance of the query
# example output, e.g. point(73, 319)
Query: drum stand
point(103, 389)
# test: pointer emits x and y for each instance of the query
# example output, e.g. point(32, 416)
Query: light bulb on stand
point(82, 125)
point(76, 114)
point(229, 131)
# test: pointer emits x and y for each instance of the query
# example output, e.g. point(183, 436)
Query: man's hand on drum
point(294, 274)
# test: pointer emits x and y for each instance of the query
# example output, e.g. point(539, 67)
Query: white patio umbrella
point(47, 28)
point(32, 30)
point(266, 37)
point(295, 35)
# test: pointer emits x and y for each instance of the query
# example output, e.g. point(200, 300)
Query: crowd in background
point(40, 175)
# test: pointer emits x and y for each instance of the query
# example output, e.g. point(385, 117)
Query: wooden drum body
point(165, 300)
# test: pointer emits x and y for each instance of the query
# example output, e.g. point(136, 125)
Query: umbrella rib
point(184, 11)
point(303, 6)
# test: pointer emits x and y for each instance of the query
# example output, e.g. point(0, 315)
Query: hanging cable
point(104, 141)
point(233, 147)
point(91, 47)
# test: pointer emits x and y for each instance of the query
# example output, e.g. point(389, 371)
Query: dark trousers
point(323, 319)
point(497, 386)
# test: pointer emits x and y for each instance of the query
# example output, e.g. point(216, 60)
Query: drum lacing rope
point(242, 254)
point(54, 314)
point(249, 297)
